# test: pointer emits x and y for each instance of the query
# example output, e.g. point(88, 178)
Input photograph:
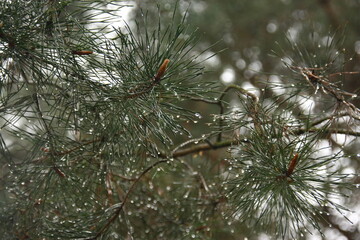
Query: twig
point(195, 140)
point(62, 153)
point(328, 88)
point(242, 91)
point(321, 120)
point(228, 143)
point(202, 147)
point(202, 179)
point(123, 177)
point(121, 206)
point(329, 131)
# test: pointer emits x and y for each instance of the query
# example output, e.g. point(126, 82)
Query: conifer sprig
point(317, 63)
point(279, 177)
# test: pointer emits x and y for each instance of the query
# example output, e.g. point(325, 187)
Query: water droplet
point(198, 115)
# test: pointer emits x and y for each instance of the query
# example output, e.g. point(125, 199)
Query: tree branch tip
point(160, 73)
point(82, 52)
point(292, 165)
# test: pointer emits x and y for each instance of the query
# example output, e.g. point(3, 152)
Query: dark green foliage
point(99, 130)
point(276, 176)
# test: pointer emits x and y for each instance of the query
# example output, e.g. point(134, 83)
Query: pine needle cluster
point(280, 182)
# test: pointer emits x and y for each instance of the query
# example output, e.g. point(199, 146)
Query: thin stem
point(242, 91)
point(121, 206)
point(228, 143)
point(330, 131)
point(331, 117)
point(202, 179)
point(202, 147)
point(62, 153)
point(195, 140)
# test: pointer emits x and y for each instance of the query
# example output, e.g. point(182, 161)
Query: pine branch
point(85, 119)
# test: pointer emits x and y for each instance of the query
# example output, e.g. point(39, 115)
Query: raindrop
point(198, 115)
